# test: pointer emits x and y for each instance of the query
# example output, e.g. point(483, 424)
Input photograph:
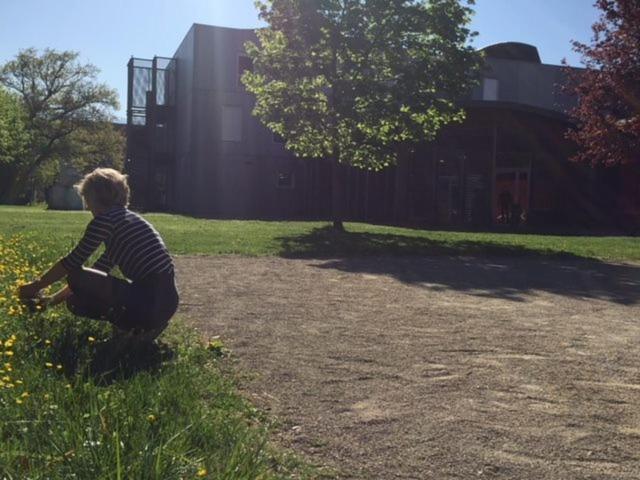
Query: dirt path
point(436, 368)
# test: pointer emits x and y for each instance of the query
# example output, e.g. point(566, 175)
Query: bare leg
point(59, 297)
point(92, 283)
point(92, 293)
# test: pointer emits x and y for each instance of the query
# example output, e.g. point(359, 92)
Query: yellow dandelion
point(18, 401)
point(46, 396)
point(48, 364)
point(24, 394)
point(91, 339)
point(202, 472)
point(19, 382)
point(58, 367)
point(8, 353)
point(47, 342)
point(151, 418)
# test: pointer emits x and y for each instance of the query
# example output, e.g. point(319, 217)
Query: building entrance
point(511, 197)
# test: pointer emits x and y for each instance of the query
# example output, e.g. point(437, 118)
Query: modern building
point(194, 147)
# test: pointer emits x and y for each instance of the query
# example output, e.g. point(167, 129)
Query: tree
point(14, 138)
point(608, 90)
point(353, 80)
point(65, 112)
point(13, 134)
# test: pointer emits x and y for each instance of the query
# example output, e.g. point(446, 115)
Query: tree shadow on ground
point(478, 268)
point(325, 242)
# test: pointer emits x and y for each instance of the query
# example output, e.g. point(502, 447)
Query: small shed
point(62, 195)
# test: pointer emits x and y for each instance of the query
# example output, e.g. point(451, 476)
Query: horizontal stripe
point(131, 243)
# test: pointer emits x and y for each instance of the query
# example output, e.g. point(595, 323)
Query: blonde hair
point(104, 188)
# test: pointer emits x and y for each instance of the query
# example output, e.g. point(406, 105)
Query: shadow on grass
point(107, 361)
point(479, 268)
point(325, 242)
point(114, 360)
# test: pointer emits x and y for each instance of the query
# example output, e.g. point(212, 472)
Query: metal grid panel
point(161, 81)
point(141, 85)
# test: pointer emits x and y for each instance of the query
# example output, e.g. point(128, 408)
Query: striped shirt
point(131, 243)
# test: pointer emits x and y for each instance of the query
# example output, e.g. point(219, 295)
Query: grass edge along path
point(75, 405)
point(188, 235)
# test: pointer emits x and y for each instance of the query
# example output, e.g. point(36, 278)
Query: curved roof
point(513, 51)
point(520, 107)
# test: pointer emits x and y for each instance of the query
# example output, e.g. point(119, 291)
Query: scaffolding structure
point(150, 131)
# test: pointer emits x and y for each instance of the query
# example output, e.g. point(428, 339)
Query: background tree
point(67, 116)
point(14, 138)
point(608, 91)
point(352, 80)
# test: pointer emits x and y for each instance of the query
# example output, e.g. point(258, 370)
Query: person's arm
point(104, 263)
point(55, 273)
point(43, 302)
point(97, 231)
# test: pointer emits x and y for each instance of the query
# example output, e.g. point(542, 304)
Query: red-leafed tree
point(608, 90)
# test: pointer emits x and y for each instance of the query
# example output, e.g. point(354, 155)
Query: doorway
point(511, 195)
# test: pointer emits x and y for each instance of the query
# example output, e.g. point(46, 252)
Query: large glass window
point(285, 180)
point(448, 187)
point(244, 63)
point(490, 89)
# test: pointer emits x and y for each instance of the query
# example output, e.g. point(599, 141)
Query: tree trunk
point(338, 194)
point(14, 189)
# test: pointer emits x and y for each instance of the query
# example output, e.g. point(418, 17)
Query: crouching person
point(142, 304)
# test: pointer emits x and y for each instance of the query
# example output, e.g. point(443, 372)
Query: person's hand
point(37, 304)
point(30, 290)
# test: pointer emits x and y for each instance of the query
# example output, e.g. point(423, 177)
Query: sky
point(107, 33)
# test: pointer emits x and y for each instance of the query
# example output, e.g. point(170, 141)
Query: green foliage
point(13, 134)
point(99, 144)
point(353, 79)
point(14, 137)
point(66, 117)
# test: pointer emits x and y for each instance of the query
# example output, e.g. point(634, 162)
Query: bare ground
point(435, 368)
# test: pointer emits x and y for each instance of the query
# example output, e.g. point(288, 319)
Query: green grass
point(186, 235)
point(76, 404)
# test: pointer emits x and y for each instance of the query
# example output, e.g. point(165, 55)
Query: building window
point(285, 180)
point(244, 63)
point(490, 89)
point(231, 123)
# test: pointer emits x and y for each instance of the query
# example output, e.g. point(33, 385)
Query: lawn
point(187, 235)
point(75, 404)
